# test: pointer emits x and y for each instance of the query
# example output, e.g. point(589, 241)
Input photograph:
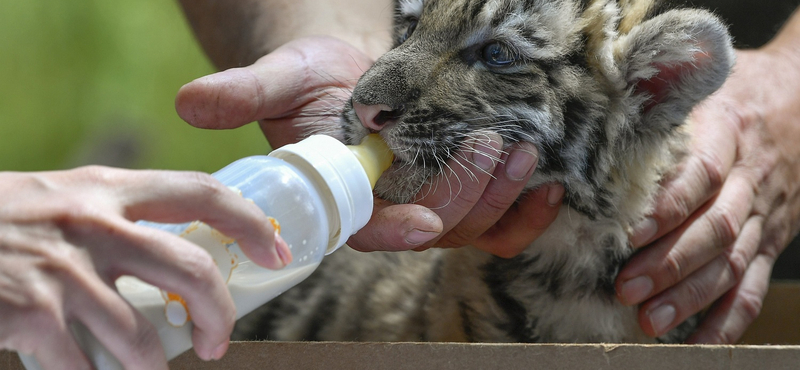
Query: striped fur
point(602, 87)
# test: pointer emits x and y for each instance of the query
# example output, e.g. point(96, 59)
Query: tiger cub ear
point(673, 61)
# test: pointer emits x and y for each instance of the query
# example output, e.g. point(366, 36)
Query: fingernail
point(485, 155)
point(661, 318)
point(521, 162)
point(419, 237)
point(644, 231)
point(284, 253)
point(636, 290)
point(220, 351)
point(554, 194)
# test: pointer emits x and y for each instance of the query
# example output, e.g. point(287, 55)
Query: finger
point(524, 223)
point(178, 197)
point(456, 191)
point(696, 180)
point(57, 349)
point(397, 227)
point(728, 319)
point(223, 100)
point(32, 315)
point(271, 88)
point(238, 96)
point(168, 262)
point(510, 176)
point(700, 289)
point(708, 233)
point(36, 326)
point(122, 330)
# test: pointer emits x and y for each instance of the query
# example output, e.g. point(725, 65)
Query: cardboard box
point(772, 342)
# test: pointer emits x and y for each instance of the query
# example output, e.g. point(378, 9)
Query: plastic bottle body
point(284, 193)
point(296, 201)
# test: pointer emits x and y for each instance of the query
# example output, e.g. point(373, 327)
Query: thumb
point(238, 96)
point(396, 227)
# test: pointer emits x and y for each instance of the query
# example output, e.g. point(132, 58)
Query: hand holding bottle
point(66, 236)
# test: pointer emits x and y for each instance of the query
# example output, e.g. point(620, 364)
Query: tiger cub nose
point(377, 116)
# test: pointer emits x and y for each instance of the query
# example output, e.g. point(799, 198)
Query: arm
point(301, 83)
point(236, 33)
point(733, 206)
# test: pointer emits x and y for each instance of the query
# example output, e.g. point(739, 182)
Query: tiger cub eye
point(411, 27)
point(498, 54)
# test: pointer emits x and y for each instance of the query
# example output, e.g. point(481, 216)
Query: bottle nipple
point(374, 155)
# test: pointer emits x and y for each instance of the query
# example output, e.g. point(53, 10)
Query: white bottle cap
point(344, 175)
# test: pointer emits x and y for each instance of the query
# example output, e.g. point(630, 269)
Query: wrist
point(764, 85)
point(785, 44)
point(364, 24)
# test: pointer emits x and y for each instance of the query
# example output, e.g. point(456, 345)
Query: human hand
point(66, 236)
point(304, 84)
point(476, 198)
point(731, 208)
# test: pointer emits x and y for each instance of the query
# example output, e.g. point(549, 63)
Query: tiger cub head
point(591, 83)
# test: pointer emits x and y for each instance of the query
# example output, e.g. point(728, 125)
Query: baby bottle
point(317, 193)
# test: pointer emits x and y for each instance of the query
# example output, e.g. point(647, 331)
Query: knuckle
point(200, 270)
point(677, 206)
point(497, 203)
point(697, 294)
point(96, 174)
point(750, 305)
point(707, 172)
point(66, 262)
point(712, 169)
point(205, 184)
point(737, 264)
point(724, 226)
point(75, 212)
point(208, 189)
point(55, 259)
point(674, 267)
point(36, 181)
point(462, 196)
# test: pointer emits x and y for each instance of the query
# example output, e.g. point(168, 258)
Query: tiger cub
point(601, 87)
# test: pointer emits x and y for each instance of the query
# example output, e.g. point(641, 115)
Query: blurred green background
point(94, 81)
